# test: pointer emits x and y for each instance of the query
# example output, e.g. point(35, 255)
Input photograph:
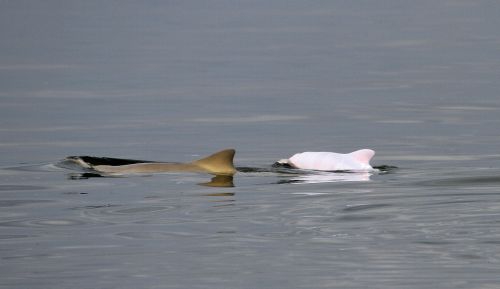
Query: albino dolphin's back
point(329, 161)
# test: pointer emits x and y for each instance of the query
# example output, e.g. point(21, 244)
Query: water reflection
point(288, 175)
point(227, 199)
point(216, 181)
point(83, 176)
point(296, 176)
point(285, 174)
point(219, 181)
point(219, 195)
point(330, 177)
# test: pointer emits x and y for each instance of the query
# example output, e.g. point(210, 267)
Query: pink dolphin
point(328, 161)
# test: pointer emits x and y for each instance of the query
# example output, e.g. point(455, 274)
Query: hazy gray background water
point(174, 80)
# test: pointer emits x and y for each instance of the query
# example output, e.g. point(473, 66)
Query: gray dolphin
point(219, 163)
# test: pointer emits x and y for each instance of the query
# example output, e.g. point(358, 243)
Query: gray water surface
point(178, 80)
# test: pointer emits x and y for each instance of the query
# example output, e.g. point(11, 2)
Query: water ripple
point(364, 207)
point(464, 181)
point(14, 236)
point(14, 203)
point(21, 188)
point(112, 214)
point(43, 223)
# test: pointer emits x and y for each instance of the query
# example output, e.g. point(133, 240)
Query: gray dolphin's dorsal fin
point(218, 163)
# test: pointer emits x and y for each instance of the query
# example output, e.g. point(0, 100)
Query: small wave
point(4, 188)
point(364, 207)
point(43, 167)
point(43, 223)
point(464, 181)
point(15, 203)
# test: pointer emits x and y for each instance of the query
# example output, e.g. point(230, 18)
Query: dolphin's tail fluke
point(220, 163)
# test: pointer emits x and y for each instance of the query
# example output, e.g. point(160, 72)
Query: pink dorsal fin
point(363, 156)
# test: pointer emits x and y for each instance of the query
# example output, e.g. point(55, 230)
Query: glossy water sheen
point(176, 80)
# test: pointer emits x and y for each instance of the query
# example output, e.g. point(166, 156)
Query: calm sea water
point(177, 80)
